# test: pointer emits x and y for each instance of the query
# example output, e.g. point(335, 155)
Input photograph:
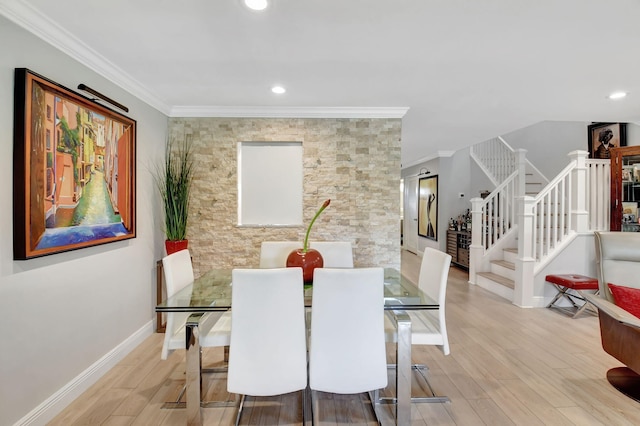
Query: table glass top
point(212, 292)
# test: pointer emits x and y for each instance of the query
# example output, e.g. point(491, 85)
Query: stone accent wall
point(354, 162)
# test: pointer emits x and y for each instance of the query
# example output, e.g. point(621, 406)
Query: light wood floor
point(508, 366)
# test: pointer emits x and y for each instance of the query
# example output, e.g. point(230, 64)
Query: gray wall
point(62, 313)
point(548, 143)
point(453, 179)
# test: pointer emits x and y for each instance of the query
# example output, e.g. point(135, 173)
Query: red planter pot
point(308, 261)
point(175, 246)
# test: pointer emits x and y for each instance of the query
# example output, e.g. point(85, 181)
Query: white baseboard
point(536, 302)
point(57, 402)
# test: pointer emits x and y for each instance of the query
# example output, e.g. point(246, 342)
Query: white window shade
point(270, 183)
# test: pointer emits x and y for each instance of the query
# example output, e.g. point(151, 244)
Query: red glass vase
point(308, 261)
point(175, 246)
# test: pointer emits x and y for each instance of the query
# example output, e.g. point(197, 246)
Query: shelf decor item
point(74, 170)
point(174, 179)
point(306, 258)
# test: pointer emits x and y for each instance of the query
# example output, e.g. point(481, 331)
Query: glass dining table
point(211, 292)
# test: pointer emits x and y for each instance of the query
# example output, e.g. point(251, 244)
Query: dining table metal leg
point(193, 365)
point(403, 372)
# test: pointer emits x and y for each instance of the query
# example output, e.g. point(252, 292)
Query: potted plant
point(174, 179)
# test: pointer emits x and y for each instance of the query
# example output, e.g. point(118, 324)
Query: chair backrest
point(335, 254)
point(178, 273)
point(434, 273)
point(273, 254)
point(617, 260)
point(268, 350)
point(347, 350)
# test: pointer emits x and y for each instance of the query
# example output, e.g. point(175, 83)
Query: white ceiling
point(467, 70)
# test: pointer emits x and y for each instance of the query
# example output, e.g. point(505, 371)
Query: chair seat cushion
point(220, 333)
point(575, 281)
point(177, 339)
point(425, 328)
point(627, 298)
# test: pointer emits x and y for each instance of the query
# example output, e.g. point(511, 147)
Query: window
point(270, 183)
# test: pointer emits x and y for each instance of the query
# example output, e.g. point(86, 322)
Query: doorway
point(410, 219)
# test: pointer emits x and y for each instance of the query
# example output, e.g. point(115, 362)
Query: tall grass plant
point(174, 179)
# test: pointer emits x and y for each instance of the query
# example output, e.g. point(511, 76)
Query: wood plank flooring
point(508, 366)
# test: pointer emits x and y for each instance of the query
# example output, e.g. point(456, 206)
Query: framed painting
point(604, 136)
point(428, 207)
point(74, 174)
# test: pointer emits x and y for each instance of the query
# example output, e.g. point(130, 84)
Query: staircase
point(500, 279)
point(525, 222)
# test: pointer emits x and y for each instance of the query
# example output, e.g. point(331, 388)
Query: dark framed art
point(428, 207)
point(604, 136)
point(74, 174)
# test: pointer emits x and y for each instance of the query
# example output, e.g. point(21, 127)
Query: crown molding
point(288, 112)
point(34, 21)
point(40, 25)
point(439, 154)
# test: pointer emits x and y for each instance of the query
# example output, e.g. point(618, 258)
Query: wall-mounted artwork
point(74, 170)
point(428, 208)
point(604, 136)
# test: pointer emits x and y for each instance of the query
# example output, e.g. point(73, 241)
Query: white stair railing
point(575, 201)
point(496, 159)
point(557, 207)
point(498, 212)
point(495, 216)
point(551, 210)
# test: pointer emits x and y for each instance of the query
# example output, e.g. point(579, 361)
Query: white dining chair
point(347, 349)
point(215, 328)
point(268, 352)
point(178, 273)
point(273, 254)
point(428, 327)
point(335, 254)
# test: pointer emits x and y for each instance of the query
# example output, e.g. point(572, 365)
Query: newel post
point(476, 249)
point(521, 158)
point(524, 283)
point(579, 213)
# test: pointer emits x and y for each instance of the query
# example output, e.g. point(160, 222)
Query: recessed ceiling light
point(278, 89)
point(256, 4)
point(617, 95)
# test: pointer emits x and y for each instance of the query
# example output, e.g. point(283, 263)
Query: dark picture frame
point(604, 136)
point(428, 207)
point(74, 176)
